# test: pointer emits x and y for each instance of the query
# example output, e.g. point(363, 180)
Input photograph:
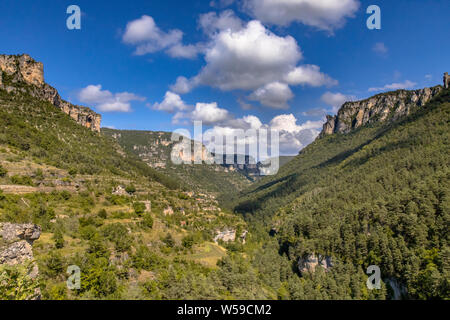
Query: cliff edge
point(23, 73)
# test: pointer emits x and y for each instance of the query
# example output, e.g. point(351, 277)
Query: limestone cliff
point(389, 106)
point(23, 73)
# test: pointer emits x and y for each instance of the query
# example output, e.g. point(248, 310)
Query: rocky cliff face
point(18, 70)
point(389, 106)
point(16, 243)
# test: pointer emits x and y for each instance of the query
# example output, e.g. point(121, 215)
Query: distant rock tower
point(446, 80)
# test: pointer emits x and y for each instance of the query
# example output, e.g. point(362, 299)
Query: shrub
point(59, 239)
point(188, 242)
point(148, 221)
point(16, 284)
point(130, 189)
point(103, 214)
point(3, 171)
point(169, 241)
point(22, 180)
point(139, 208)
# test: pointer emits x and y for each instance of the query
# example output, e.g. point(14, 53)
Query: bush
point(59, 239)
point(130, 189)
point(3, 171)
point(118, 234)
point(103, 214)
point(139, 208)
point(16, 284)
point(148, 221)
point(169, 241)
point(22, 180)
point(188, 242)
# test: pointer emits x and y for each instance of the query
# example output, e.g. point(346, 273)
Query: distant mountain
point(154, 148)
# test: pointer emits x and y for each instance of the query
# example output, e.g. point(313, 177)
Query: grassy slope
point(127, 259)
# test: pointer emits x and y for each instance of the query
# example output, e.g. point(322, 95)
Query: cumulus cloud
point(211, 22)
point(249, 58)
point(309, 75)
point(209, 113)
point(274, 95)
point(172, 103)
point(395, 86)
point(292, 136)
point(183, 85)
point(107, 101)
point(322, 14)
point(336, 100)
point(149, 38)
point(252, 58)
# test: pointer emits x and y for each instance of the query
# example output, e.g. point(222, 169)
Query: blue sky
point(304, 61)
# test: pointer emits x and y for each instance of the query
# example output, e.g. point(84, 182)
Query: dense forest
point(377, 196)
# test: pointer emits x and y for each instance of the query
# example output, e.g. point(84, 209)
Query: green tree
point(58, 238)
point(3, 171)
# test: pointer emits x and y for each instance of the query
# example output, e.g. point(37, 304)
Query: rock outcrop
point(384, 107)
point(228, 235)
point(16, 242)
point(18, 70)
point(310, 262)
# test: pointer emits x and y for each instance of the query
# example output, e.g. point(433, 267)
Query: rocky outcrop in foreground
point(17, 70)
point(16, 242)
point(384, 107)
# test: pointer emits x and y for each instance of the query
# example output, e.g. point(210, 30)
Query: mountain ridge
point(388, 106)
point(23, 73)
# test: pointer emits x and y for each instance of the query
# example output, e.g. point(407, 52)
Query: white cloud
point(183, 85)
point(107, 101)
point(171, 103)
point(395, 86)
point(274, 95)
point(336, 100)
point(309, 75)
point(209, 113)
point(322, 14)
point(149, 38)
point(251, 58)
point(211, 23)
point(380, 48)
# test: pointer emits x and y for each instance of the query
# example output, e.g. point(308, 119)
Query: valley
point(373, 189)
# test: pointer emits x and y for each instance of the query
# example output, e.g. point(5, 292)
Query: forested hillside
point(133, 232)
point(154, 148)
point(379, 195)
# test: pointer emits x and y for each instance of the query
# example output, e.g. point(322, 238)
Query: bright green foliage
point(139, 208)
point(16, 284)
